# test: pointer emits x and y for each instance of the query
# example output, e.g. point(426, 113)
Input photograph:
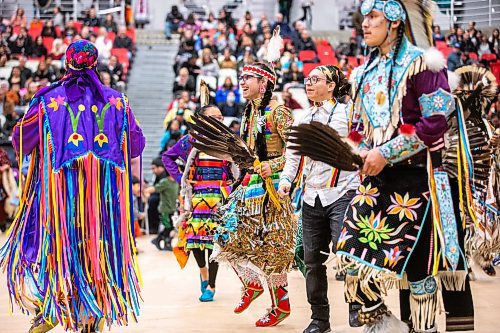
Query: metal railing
point(486, 13)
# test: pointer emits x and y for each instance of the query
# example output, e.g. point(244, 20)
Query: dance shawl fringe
point(365, 278)
point(86, 266)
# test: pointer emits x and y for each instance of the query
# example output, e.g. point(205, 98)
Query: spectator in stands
point(293, 76)
point(122, 41)
point(115, 69)
point(182, 113)
point(210, 23)
point(287, 59)
point(484, 47)
point(44, 74)
point(227, 60)
point(172, 21)
point(223, 91)
point(3, 59)
point(455, 58)
point(103, 45)
point(15, 76)
point(344, 66)
point(92, 20)
point(26, 73)
point(172, 134)
point(230, 108)
point(18, 19)
point(247, 59)
point(437, 35)
point(306, 8)
point(208, 65)
point(58, 17)
point(184, 81)
point(246, 43)
point(494, 41)
point(235, 127)
point(285, 7)
point(22, 44)
point(106, 79)
point(85, 33)
point(53, 67)
point(58, 49)
point(286, 32)
point(11, 116)
point(48, 29)
point(223, 38)
point(290, 102)
point(247, 19)
point(39, 50)
point(190, 24)
point(30, 92)
point(69, 29)
point(471, 28)
point(227, 19)
point(110, 24)
point(466, 43)
point(204, 42)
point(263, 23)
point(305, 42)
point(248, 32)
point(4, 88)
point(192, 66)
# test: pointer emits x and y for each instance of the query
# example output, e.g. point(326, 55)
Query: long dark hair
point(260, 142)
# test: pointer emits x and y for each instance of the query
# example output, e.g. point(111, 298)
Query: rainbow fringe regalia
point(70, 254)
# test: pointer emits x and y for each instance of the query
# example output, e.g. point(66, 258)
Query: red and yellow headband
point(260, 72)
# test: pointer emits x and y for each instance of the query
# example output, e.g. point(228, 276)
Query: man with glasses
point(328, 191)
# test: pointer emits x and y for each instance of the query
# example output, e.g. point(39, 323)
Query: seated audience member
point(227, 60)
point(103, 45)
point(91, 20)
point(208, 65)
point(39, 50)
point(222, 92)
point(184, 81)
point(289, 101)
point(49, 30)
point(294, 75)
point(230, 108)
point(58, 49)
point(122, 41)
point(110, 24)
point(235, 127)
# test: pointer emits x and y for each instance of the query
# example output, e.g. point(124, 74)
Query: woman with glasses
point(205, 182)
point(258, 237)
point(328, 191)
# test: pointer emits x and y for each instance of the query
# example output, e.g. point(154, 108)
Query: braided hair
point(260, 142)
point(397, 48)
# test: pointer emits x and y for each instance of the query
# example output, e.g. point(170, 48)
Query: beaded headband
point(260, 72)
point(393, 10)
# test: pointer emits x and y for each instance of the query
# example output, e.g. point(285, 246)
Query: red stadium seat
point(489, 57)
point(131, 34)
point(446, 51)
point(473, 56)
point(307, 55)
point(495, 69)
point(58, 31)
point(47, 42)
point(78, 26)
point(326, 55)
point(95, 30)
point(308, 67)
point(441, 45)
point(122, 55)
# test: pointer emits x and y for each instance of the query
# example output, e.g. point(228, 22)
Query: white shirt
point(320, 178)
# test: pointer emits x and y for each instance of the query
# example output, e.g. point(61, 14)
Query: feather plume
point(476, 89)
point(204, 94)
point(322, 143)
point(419, 21)
point(274, 47)
point(215, 139)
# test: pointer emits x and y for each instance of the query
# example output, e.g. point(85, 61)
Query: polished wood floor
point(171, 302)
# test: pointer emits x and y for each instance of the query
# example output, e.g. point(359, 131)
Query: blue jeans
point(169, 27)
point(320, 227)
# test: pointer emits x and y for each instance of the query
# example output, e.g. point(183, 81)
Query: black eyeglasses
point(313, 79)
point(246, 77)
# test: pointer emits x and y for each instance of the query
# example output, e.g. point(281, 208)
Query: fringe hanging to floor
point(423, 310)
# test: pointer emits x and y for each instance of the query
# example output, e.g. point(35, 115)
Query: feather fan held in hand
point(204, 94)
point(215, 139)
point(322, 143)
